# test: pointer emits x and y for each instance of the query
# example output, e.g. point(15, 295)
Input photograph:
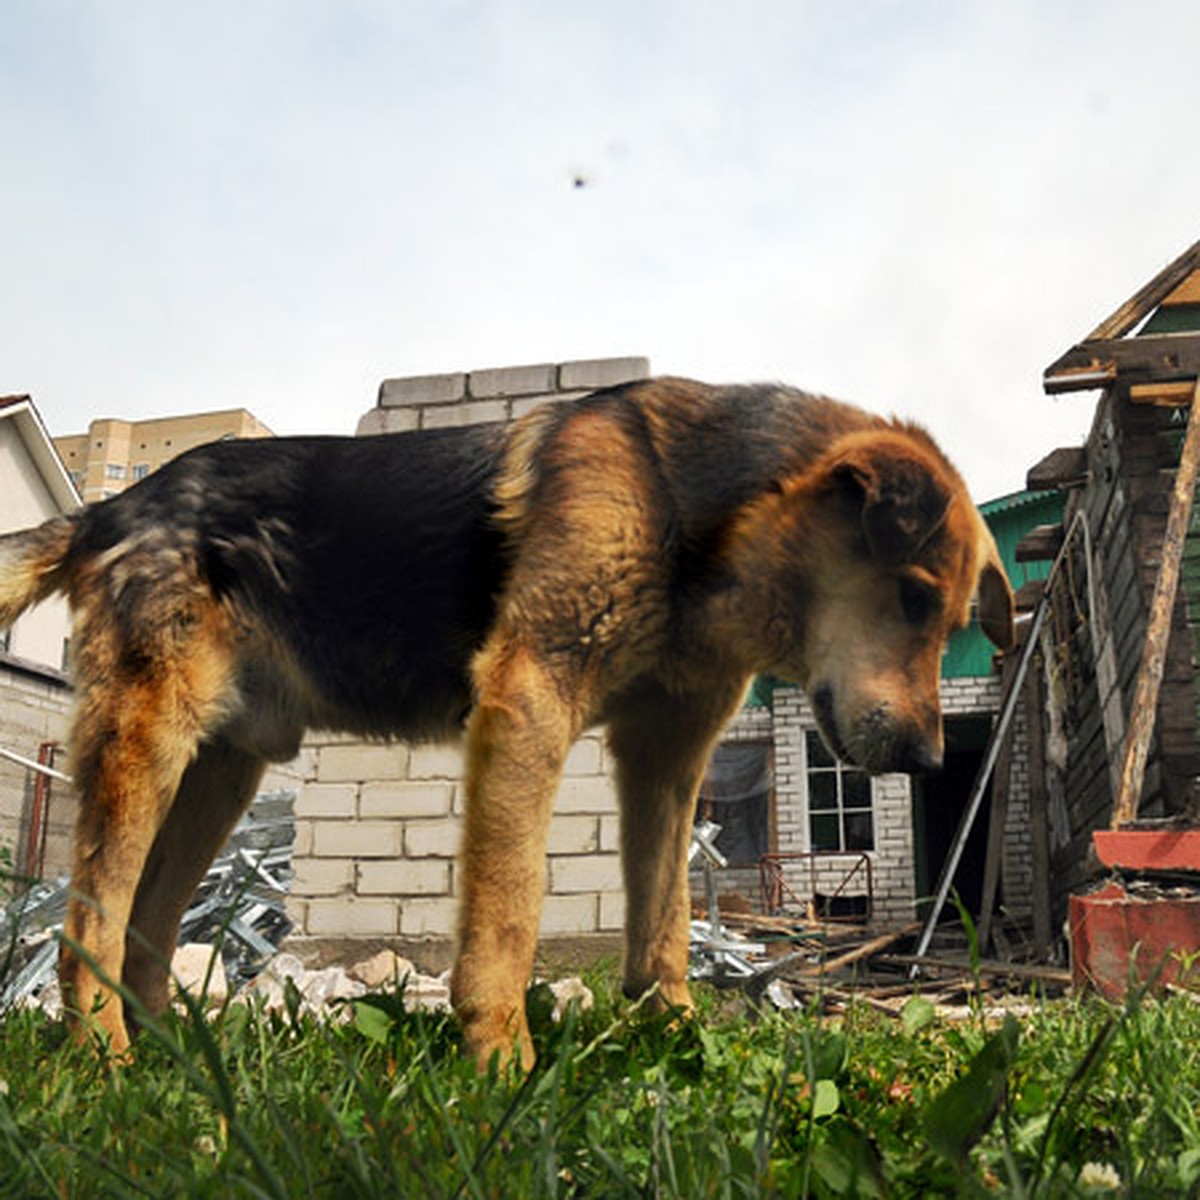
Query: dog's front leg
point(518, 736)
point(661, 747)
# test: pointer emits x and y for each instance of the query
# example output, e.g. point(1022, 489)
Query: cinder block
point(612, 910)
point(386, 420)
point(327, 800)
point(474, 412)
point(432, 839)
point(426, 877)
point(573, 835)
point(351, 917)
point(610, 834)
point(512, 381)
point(359, 761)
point(584, 758)
point(594, 793)
point(433, 916)
point(568, 914)
point(593, 373)
point(403, 799)
point(436, 762)
point(585, 873)
point(422, 389)
point(323, 876)
point(357, 839)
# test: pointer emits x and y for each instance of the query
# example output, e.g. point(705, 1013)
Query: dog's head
point(878, 555)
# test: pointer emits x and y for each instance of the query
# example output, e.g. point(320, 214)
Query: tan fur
point(661, 544)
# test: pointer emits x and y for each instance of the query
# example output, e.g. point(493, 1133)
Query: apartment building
point(114, 454)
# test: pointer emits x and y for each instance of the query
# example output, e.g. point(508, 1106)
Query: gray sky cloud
point(276, 205)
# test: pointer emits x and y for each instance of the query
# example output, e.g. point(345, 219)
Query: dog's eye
point(917, 601)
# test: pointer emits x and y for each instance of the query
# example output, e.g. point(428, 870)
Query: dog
point(633, 559)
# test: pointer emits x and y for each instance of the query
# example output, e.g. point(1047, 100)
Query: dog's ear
point(996, 605)
point(903, 499)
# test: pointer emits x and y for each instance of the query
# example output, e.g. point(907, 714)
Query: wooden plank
point(1040, 544)
point(1149, 296)
point(1061, 468)
point(1162, 356)
point(1162, 395)
point(1039, 820)
point(1187, 292)
point(998, 817)
point(1145, 697)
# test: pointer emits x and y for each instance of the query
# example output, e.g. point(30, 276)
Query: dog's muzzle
point(876, 744)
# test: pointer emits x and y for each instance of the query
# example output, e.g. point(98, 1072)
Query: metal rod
point(31, 765)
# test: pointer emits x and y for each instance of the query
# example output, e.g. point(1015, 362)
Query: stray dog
point(632, 559)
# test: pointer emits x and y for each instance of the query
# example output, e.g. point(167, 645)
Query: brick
point(323, 876)
point(433, 916)
point(422, 389)
point(612, 910)
point(327, 800)
point(523, 407)
point(386, 420)
point(573, 835)
point(584, 758)
point(610, 834)
point(338, 764)
point(432, 839)
point(601, 372)
point(595, 793)
point(436, 762)
point(475, 412)
point(534, 380)
point(357, 839)
point(403, 799)
point(350, 916)
point(568, 914)
point(585, 873)
point(428, 877)
point(302, 846)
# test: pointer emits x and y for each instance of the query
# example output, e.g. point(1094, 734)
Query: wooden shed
point(1094, 691)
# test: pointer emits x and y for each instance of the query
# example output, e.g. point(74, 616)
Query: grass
point(383, 1103)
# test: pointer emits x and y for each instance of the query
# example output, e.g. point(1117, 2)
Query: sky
point(913, 206)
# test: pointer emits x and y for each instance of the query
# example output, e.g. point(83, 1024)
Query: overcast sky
point(915, 206)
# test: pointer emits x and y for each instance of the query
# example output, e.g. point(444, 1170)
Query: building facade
point(114, 454)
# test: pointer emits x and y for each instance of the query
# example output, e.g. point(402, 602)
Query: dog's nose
point(919, 756)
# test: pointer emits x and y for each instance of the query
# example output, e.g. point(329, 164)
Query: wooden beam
point(1158, 631)
point(1061, 468)
point(1160, 356)
point(1148, 297)
point(1165, 395)
point(1040, 544)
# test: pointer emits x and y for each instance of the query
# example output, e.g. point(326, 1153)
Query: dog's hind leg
point(661, 745)
point(215, 790)
point(517, 740)
point(139, 721)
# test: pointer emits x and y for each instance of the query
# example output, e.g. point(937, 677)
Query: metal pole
point(981, 781)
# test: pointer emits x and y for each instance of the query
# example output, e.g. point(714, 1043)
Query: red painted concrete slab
point(1149, 849)
point(1117, 939)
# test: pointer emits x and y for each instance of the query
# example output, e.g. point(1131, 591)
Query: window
point(737, 794)
point(114, 470)
point(140, 471)
point(840, 816)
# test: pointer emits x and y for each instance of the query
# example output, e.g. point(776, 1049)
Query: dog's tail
point(33, 565)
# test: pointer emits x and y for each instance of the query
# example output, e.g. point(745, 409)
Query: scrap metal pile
point(238, 906)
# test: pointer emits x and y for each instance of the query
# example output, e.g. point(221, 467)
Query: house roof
point(32, 432)
point(1154, 335)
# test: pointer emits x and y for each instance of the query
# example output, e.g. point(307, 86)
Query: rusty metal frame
point(774, 889)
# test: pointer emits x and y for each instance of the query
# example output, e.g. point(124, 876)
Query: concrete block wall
point(378, 830)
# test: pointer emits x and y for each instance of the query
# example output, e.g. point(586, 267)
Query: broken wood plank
point(1149, 296)
point(866, 950)
point(1158, 630)
point(1030, 971)
point(1041, 543)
